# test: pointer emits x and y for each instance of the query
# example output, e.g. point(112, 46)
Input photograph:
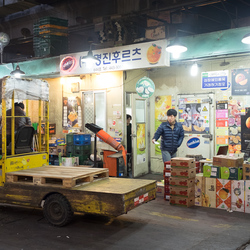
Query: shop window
point(94, 108)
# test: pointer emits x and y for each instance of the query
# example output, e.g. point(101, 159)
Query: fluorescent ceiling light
point(194, 69)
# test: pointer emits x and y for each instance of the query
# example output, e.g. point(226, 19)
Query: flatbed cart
point(26, 178)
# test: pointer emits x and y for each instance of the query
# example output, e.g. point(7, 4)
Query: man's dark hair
point(172, 112)
point(129, 116)
point(20, 104)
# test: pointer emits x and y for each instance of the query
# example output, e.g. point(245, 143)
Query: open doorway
point(136, 107)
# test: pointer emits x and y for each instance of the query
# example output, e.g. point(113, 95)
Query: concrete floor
point(155, 225)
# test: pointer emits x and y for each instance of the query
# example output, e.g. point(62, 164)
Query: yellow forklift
point(27, 179)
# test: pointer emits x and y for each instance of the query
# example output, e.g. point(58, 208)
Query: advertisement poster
point(162, 105)
point(141, 142)
point(72, 114)
point(240, 82)
point(234, 123)
point(245, 134)
point(221, 123)
point(194, 117)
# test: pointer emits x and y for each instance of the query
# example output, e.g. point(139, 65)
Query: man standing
point(20, 119)
point(172, 135)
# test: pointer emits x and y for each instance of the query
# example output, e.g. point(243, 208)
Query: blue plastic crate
point(82, 139)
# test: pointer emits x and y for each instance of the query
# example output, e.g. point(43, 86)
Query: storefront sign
point(135, 56)
point(145, 87)
point(214, 79)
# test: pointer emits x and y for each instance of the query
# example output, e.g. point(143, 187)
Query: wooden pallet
point(57, 176)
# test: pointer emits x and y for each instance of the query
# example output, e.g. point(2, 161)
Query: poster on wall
point(234, 126)
point(240, 82)
point(194, 117)
point(221, 123)
point(141, 142)
point(72, 113)
point(162, 105)
point(245, 134)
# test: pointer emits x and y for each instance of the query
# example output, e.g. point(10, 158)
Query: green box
point(230, 173)
point(211, 171)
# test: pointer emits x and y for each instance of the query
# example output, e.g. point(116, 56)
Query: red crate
point(167, 165)
point(166, 197)
point(166, 173)
point(197, 167)
point(166, 180)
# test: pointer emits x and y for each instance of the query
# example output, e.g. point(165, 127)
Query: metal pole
point(95, 151)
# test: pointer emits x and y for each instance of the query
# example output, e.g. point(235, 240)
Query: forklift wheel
point(57, 210)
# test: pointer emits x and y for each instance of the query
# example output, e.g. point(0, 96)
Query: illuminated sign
point(135, 56)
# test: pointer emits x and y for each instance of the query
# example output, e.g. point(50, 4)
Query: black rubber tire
point(57, 210)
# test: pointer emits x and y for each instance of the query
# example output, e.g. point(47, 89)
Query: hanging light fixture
point(246, 39)
point(17, 72)
point(176, 48)
point(90, 58)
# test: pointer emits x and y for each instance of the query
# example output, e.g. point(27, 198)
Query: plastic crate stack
point(78, 145)
point(182, 181)
point(50, 36)
point(167, 175)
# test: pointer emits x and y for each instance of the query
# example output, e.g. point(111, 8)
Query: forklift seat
point(23, 140)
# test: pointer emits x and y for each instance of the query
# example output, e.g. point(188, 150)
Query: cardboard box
point(231, 173)
point(182, 201)
point(183, 173)
point(247, 196)
point(199, 188)
point(209, 196)
point(211, 171)
point(246, 171)
point(182, 192)
point(227, 161)
point(223, 194)
point(53, 151)
point(160, 189)
point(238, 196)
point(183, 162)
point(56, 141)
point(181, 182)
point(62, 150)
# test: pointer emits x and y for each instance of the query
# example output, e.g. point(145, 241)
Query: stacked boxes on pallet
point(220, 184)
point(182, 181)
point(50, 36)
point(79, 145)
point(167, 175)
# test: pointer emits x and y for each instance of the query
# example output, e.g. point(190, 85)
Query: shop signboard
point(135, 56)
point(214, 79)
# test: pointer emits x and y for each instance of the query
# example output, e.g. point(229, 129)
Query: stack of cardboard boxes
point(221, 185)
point(182, 181)
point(167, 175)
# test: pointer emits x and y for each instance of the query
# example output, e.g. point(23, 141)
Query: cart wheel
point(57, 210)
